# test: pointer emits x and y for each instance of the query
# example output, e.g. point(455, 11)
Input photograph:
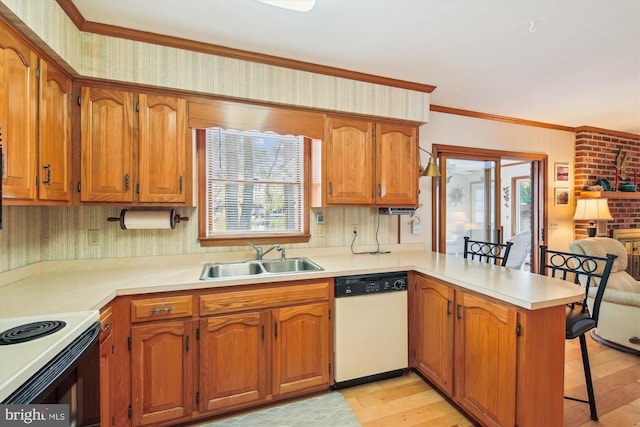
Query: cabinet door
point(301, 347)
point(396, 165)
point(348, 161)
point(107, 389)
point(107, 136)
point(163, 149)
point(161, 372)
point(18, 116)
point(232, 360)
point(54, 134)
point(434, 325)
point(485, 365)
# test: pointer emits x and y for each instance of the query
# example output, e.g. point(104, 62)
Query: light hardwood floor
point(409, 401)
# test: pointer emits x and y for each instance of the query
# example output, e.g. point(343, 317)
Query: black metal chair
point(496, 253)
point(586, 271)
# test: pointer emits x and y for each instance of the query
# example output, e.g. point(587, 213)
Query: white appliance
point(37, 351)
point(371, 328)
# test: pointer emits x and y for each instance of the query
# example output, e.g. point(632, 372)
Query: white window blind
point(255, 183)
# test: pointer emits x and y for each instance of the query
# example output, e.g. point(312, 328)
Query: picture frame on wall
point(562, 172)
point(561, 196)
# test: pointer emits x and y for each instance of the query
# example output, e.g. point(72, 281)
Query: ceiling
point(562, 62)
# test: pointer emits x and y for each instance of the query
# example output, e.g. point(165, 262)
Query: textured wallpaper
point(32, 234)
point(94, 55)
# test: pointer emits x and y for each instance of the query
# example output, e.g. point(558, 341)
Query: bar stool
point(495, 253)
point(589, 272)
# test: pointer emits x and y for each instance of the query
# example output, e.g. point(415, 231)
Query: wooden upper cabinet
point(348, 161)
point(396, 164)
point(54, 121)
point(35, 118)
point(107, 138)
point(135, 148)
point(162, 148)
point(18, 116)
point(367, 163)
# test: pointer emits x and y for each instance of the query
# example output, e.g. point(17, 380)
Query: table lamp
point(592, 210)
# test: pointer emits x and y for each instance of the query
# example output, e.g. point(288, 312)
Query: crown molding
point(159, 39)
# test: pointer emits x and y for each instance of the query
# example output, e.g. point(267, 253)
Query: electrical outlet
point(93, 237)
point(354, 229)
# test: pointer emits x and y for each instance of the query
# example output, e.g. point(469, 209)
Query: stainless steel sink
point(290, 265)
point(230, 270)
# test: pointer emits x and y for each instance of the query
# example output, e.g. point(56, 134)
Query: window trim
point(262, 237)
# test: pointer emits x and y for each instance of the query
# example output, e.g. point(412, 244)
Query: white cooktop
point(18, 362)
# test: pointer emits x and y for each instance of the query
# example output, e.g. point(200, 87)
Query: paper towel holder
point(175, 218)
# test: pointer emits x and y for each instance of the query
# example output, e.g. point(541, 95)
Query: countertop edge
point(60, 287)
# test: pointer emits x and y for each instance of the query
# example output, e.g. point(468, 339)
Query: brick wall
point(595, 158)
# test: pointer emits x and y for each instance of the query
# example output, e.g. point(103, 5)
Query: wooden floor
point(409, 401)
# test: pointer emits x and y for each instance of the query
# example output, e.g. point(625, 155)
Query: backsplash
point(33, 234)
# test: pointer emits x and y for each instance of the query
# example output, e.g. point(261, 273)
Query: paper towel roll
point(136, 220)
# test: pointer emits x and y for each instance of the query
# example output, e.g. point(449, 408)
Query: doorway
point(489, 195)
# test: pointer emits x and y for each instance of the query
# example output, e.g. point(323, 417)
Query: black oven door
point(72, 378)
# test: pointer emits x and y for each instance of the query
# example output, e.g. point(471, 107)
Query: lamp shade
point(431, 169)
point(592, 209)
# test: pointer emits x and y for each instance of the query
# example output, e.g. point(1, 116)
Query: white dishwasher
point(371, 328)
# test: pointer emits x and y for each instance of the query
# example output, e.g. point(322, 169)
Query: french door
point(492, 196)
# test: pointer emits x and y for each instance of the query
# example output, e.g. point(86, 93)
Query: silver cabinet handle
point(160, 310)
point(106, 327)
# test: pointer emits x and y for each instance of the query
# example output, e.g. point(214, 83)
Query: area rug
point(328, 410)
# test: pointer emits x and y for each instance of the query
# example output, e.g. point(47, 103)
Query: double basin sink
point(230, 270)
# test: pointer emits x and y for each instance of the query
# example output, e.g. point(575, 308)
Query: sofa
point(619, 320)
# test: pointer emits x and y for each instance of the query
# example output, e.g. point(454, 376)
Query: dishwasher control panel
point(351, 286)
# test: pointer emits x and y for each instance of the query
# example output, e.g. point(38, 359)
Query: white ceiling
point(577, 65)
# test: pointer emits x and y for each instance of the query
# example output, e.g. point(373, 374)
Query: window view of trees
point(255, 183)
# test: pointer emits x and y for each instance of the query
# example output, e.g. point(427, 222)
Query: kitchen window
point(256, 187)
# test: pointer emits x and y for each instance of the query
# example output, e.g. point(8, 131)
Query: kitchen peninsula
point(528, 360)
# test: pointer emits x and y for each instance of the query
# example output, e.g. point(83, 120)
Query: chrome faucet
point(260, 253)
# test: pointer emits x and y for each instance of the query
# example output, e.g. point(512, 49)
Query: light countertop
point(64, 286)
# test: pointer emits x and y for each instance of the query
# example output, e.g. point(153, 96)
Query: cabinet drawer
point(161, 308)
point(233, 301)
point(106, 323)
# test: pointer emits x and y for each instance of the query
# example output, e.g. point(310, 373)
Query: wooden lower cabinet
point(502, 364)
point(198, 354)
point(485, 360)
point(239, 353)
point(161, 371)
point(107, 365)
point(233, 359)
point(301, 348)
point(434, 324)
